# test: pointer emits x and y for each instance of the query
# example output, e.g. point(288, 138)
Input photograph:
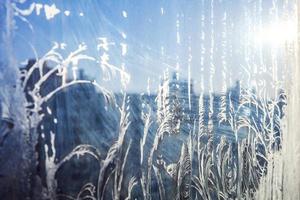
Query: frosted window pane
point(149, 99)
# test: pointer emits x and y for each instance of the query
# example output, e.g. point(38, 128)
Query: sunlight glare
point(277, 33)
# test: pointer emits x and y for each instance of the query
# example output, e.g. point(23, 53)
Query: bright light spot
point(63, 45)
point(177, 31)
point(148, 86)
point(124, 13)
point(124, 48)
point(124, 35)
point(277, 33)
point(38, 8)
point(162, 11)
point(81, 14)
point(162, 50)
point(49, 110)
point(51, 11)
point(67, 12)
point(104, 44)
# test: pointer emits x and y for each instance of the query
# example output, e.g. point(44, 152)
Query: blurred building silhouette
point(79, 114)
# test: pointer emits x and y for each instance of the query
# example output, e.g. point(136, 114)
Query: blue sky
point(160, 35)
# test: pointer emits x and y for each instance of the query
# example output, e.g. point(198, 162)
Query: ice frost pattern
point(175, 143)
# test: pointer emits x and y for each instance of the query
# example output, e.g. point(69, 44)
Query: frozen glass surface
point(177, 99)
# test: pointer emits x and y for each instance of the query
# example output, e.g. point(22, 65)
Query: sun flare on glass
point(277, 34)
